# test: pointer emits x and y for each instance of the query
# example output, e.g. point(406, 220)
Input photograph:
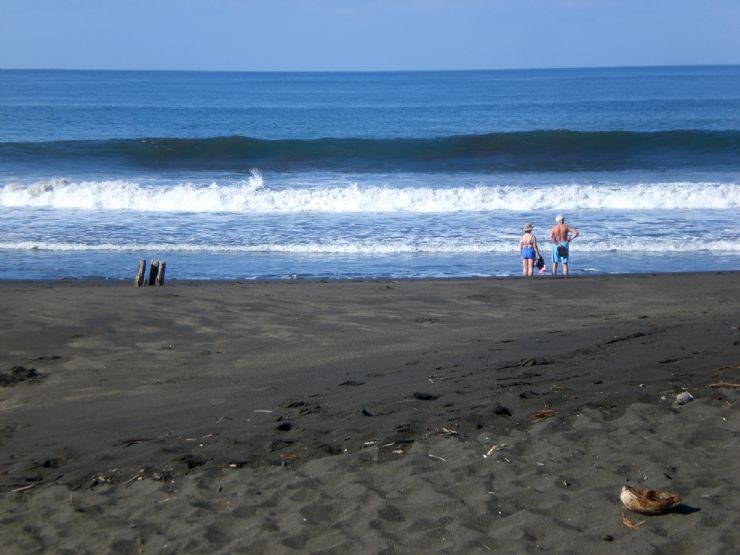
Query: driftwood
point(153, 271)
point(156, 273)
point(542, 414)
point(139, 280)
point(159, 280)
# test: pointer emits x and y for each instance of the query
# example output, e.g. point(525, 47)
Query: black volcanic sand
point(354, 416)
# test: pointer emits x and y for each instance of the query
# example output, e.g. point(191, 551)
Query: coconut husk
point(648, 501)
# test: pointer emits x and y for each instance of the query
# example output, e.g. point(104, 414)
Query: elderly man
point(561, 235)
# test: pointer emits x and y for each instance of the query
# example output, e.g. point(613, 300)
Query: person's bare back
point(559, 233)
point(560, 236)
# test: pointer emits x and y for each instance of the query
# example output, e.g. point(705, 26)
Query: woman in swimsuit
point(528, 248)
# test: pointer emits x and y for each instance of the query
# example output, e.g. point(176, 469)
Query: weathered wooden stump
point(156, 273)
point(139, 280)
point(159, 280)
point(153, 270)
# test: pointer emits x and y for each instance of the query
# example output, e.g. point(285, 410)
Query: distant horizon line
point(647, 66)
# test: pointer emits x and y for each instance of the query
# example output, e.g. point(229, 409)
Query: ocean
point(366, 175)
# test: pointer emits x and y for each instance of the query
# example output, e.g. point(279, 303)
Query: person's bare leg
point(554, 269)
point(524, 267)
point(565, 270)
point(530, 267)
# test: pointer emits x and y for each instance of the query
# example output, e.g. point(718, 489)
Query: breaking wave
point(435, 246)
point(253, 196)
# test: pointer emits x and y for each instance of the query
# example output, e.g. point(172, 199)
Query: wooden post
point(139, 281)
point(159, 280)
point(153, 270)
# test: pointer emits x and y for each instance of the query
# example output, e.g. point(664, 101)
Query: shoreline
point(328, 415)
point(23, 265)
point(260, 280)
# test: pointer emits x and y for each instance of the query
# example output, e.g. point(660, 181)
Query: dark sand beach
point(353, 417)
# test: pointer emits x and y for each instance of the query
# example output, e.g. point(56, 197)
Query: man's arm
point(574, 232)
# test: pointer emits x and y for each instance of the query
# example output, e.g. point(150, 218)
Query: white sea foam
point(252, 196)
point(437, 246)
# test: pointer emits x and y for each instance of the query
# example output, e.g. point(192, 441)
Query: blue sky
point(365, 35)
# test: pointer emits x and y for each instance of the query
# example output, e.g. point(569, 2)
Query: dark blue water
point(56, 105)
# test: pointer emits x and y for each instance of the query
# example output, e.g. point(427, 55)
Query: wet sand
point(354, 416)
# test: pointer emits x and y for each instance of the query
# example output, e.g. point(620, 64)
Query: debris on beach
point(542, 414)
point(23, 488)
point(386, 451)
point(134, 440)
point(629, 524)
point(684, 397)
point(285, 459)
point(491, 450)
point(729, 366)
point(648, 501)
point(353, 383)
point(725, 385)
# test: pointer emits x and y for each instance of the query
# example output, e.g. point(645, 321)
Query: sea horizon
point(437, 70)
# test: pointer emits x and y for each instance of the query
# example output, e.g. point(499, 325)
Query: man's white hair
point(559, 218)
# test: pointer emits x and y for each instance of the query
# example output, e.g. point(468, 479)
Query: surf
point(255, 195)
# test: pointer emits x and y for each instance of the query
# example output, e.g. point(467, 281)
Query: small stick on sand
point(134, 441)
point(628, 523)
point(542, 414)
point(725, 385)
point(286, 458)
point(24, 488)
point(133, 479)
point(436, 458)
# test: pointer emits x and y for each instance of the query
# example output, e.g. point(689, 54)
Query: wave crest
point(252, 196)
point(551, 150)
